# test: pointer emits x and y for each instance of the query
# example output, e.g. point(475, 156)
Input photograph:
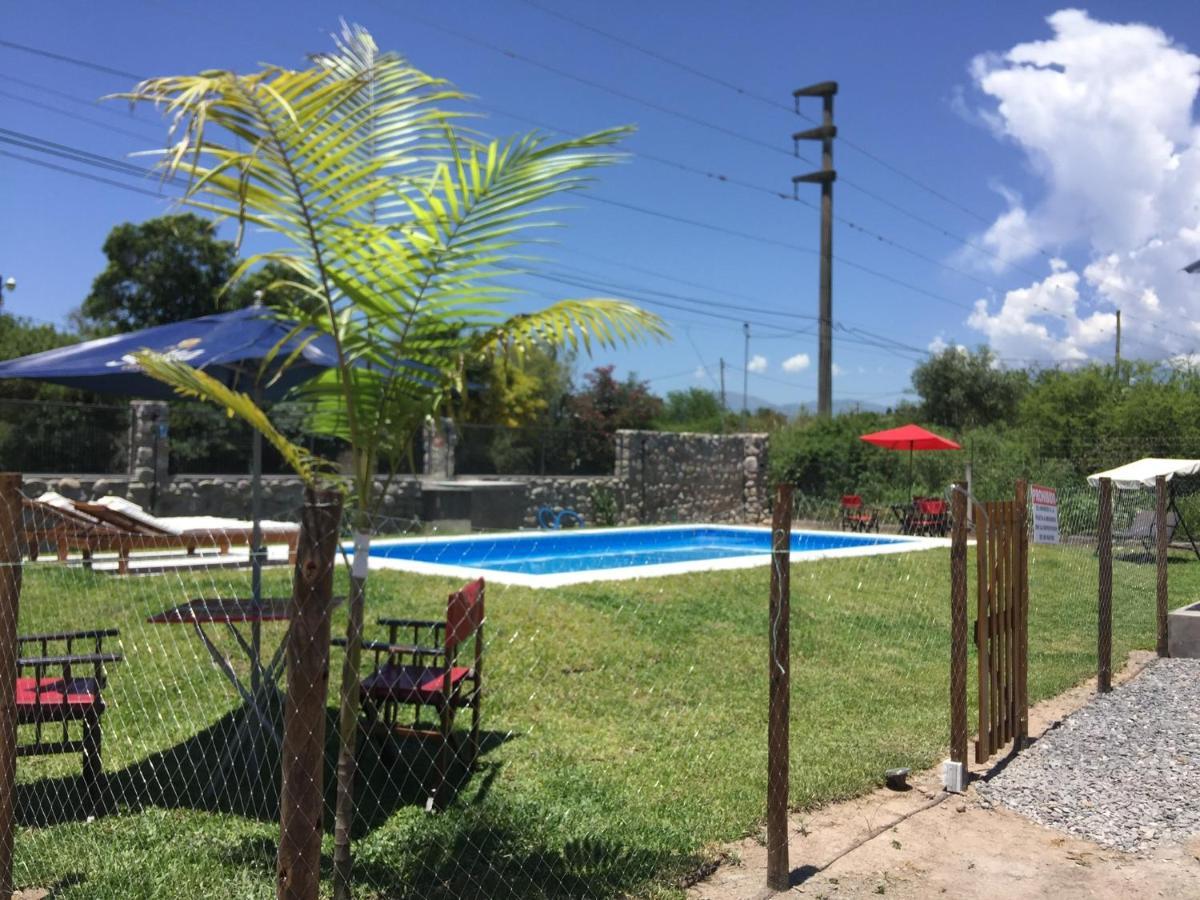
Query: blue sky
point(990, 170)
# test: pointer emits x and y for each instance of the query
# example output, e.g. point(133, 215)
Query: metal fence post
point(779, 702)
point(958, 624)
point(1104, 551)
point(302, 800)
point(1162, 536)
point(10, 595)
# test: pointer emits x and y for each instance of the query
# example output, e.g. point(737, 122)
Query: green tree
point(694, 409)
point(404, 223)
point(37, 418)
point(604, 406)
point(1065, 411)
point(162, 270)
point(962, 388)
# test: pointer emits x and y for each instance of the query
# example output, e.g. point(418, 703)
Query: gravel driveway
point(1123, 771)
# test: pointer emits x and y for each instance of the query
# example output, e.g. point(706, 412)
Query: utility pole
point(1118, 368)
point(825, 133)
point(746, 372)
point(723, 406)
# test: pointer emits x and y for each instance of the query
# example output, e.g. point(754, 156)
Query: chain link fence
point(607, 736)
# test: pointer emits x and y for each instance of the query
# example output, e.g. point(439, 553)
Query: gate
point(1001, 623)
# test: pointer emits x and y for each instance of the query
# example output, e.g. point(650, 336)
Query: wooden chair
point(931, 516)
point(65, 687)
point(857, 517)
point(425, 675)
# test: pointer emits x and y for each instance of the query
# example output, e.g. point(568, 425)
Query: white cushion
point(135, 512)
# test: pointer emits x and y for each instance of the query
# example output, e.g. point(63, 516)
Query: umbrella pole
point(256, 549)
point(910, 477)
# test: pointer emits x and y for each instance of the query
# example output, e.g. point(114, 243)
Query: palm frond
point(575, 324)
point(193, 383)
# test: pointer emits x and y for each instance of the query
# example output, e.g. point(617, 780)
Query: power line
point(72, 60)
point(746, 92)
point(76, 117)
point(599, 86)
point(88, 175)
point(109, 108)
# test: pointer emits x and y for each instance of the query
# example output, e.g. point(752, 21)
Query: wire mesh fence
point(607, 734)
point(68, 437)
point(565, 449)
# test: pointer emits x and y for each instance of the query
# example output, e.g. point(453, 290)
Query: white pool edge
point(901, 544)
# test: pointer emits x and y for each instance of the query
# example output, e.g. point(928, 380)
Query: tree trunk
point(348, 716)
point(302, 800)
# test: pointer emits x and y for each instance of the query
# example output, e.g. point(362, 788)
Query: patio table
point(262, 691)
point(904, 516)
point(231, 614)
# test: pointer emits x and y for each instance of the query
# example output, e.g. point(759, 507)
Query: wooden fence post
point(10, 595)
point(958, 623)
point(1104, 551)
point(1162, 536)
point(1021, 582)
point(302, 799)
point(779, 702)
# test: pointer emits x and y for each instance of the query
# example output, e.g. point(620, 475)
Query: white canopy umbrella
point(1143, 474)
point(1136, 476)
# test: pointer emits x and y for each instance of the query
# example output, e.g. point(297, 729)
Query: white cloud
point(939, 344)
point(1103, 115)
point(758, 363)
point(835, 368)
point(700, 374)
point(797, 363)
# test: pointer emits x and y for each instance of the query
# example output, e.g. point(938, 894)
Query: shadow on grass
point(233, 766)
point(494, 855)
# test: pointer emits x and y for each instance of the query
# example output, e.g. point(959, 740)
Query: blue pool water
point(614, 548)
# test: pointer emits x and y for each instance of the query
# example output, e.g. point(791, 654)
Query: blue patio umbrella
point(229, 346)
point(233, 347)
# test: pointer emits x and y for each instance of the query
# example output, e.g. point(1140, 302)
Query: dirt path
point(926, 843)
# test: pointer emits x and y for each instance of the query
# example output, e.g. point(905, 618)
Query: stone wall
point(672, 477)
point(659, 477)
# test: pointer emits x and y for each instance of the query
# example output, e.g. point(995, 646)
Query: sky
point(1008, 174)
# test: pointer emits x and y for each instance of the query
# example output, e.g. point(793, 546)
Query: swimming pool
point(550, 559)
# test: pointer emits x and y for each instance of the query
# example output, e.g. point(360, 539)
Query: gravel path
point(1123, 771)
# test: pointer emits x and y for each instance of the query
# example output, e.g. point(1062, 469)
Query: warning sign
point(1045, 515)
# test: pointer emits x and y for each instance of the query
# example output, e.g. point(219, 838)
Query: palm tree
point(399, 225)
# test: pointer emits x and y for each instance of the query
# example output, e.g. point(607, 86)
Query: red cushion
point(408, 683)
point(79, 692)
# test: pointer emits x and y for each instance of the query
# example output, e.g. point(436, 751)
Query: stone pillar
point(149, 451)
point(754, 473)
point(440, 439)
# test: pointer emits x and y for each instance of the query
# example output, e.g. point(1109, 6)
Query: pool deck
point(894, 544)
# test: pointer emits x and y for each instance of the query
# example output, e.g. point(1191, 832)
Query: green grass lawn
point(624, 726)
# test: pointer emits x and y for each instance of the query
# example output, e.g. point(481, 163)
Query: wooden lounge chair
point(426, 675)
point(856, 516)
point(65, 687)
point(114, 524)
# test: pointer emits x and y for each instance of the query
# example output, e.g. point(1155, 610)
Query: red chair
point(426, 676)
point(857, 517)
point(64, 688)
point(931, 516)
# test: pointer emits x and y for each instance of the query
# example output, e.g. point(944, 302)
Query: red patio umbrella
point(910, 438)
